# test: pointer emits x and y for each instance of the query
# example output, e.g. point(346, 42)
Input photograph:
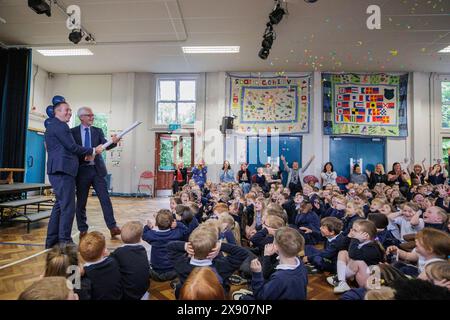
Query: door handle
point(30, 161)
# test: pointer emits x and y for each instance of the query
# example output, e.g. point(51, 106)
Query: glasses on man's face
point(88, 115)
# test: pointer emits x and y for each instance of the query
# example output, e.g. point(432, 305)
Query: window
point(176, 101)
point(445, 147)
point(445, 100)
point(173, 149)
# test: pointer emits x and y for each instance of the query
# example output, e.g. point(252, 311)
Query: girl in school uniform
point(363, 251)
point(353, 212)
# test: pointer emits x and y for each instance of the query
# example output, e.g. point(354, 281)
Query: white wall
point(128, 97)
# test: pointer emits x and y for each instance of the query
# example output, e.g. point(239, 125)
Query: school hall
point(257, 150)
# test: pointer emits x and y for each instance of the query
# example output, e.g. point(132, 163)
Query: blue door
point(370, 150)
point(35, 158)
point(261, 150)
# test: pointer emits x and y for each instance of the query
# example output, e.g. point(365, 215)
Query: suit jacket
point(97, 138)
point(63, 151)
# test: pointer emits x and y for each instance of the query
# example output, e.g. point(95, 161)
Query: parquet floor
point(16, 244)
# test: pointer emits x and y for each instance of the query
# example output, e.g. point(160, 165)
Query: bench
point(10, 171)
point(25, 216)
point(32, 217)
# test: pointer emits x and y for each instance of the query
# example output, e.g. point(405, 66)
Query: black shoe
point(173, 284)
point(237, 280)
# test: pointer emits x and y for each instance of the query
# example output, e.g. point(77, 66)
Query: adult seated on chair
point(244, 177)
point(179, 177)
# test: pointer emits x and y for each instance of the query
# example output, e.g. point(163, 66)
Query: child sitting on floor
point(290, 280)
point(363, 251)
point(100, 270)
point(325, 260)
point(133, 262)
point(167, 229)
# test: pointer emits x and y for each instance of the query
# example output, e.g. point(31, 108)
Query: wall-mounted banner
point(365, 104)
point(278, 103)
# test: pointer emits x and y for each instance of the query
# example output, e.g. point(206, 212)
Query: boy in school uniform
point(133, 262)
point(326, 259)
point(290, 279)
point(384, 236)
point(100, 270)
point(167, 230)
point(203, 250)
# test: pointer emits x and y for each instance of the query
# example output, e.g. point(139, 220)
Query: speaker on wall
point(227, 123)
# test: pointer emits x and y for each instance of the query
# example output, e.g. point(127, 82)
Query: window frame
point(442, 133)
point(177, 79)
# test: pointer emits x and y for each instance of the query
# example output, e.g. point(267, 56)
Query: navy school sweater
point(311, 221)
point(224, 265)
point(332, 248)
point(348, 223)
point(105, 280)
point(135, 270)
point(331, 212)
point(282, 284)
point(387, 239)
point(159, 240)
point(370, 253)
point(289, 206)
point(260, 239)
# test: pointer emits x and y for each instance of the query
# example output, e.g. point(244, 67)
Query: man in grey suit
point(92, 173)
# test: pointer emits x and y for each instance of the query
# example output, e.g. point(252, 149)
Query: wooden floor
point(17, 245)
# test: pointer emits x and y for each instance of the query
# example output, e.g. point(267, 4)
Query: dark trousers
point(295, 187)
point(87, 177)
point(316, 260)
point(177, 185)
point(162, 276)
point(61, 220)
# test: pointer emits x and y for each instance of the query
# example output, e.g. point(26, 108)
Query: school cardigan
point(159, 240)
point(224, 265)
point(105, 279)
point(135, 270)
point(284, 284)
point(332, 248)
point(370, 252)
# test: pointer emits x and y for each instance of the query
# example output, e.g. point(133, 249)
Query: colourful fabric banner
point(270, 104)
point(365, 104)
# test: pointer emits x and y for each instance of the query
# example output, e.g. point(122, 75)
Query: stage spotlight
point(40, 7)
point(263, 53)
point(277, 14)
point(76, 35)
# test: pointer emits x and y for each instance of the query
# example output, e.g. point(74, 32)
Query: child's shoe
point(341, 287)
point(333, 281)
point(239, 293)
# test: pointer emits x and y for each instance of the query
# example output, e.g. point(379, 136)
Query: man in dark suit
point(92, 173)
point(62, 168)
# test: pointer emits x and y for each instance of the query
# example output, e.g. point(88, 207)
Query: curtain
point(15, 75)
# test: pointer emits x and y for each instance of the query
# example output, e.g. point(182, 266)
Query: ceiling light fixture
point(65, 52)
point(211, 49)
point(445, 50)
point(40, 7)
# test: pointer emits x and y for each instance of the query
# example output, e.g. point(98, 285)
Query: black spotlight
point(40, 7)
point(310, 1)
point(277, 14)
point(76, 35)
point(267, 42)
point(263, 53)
